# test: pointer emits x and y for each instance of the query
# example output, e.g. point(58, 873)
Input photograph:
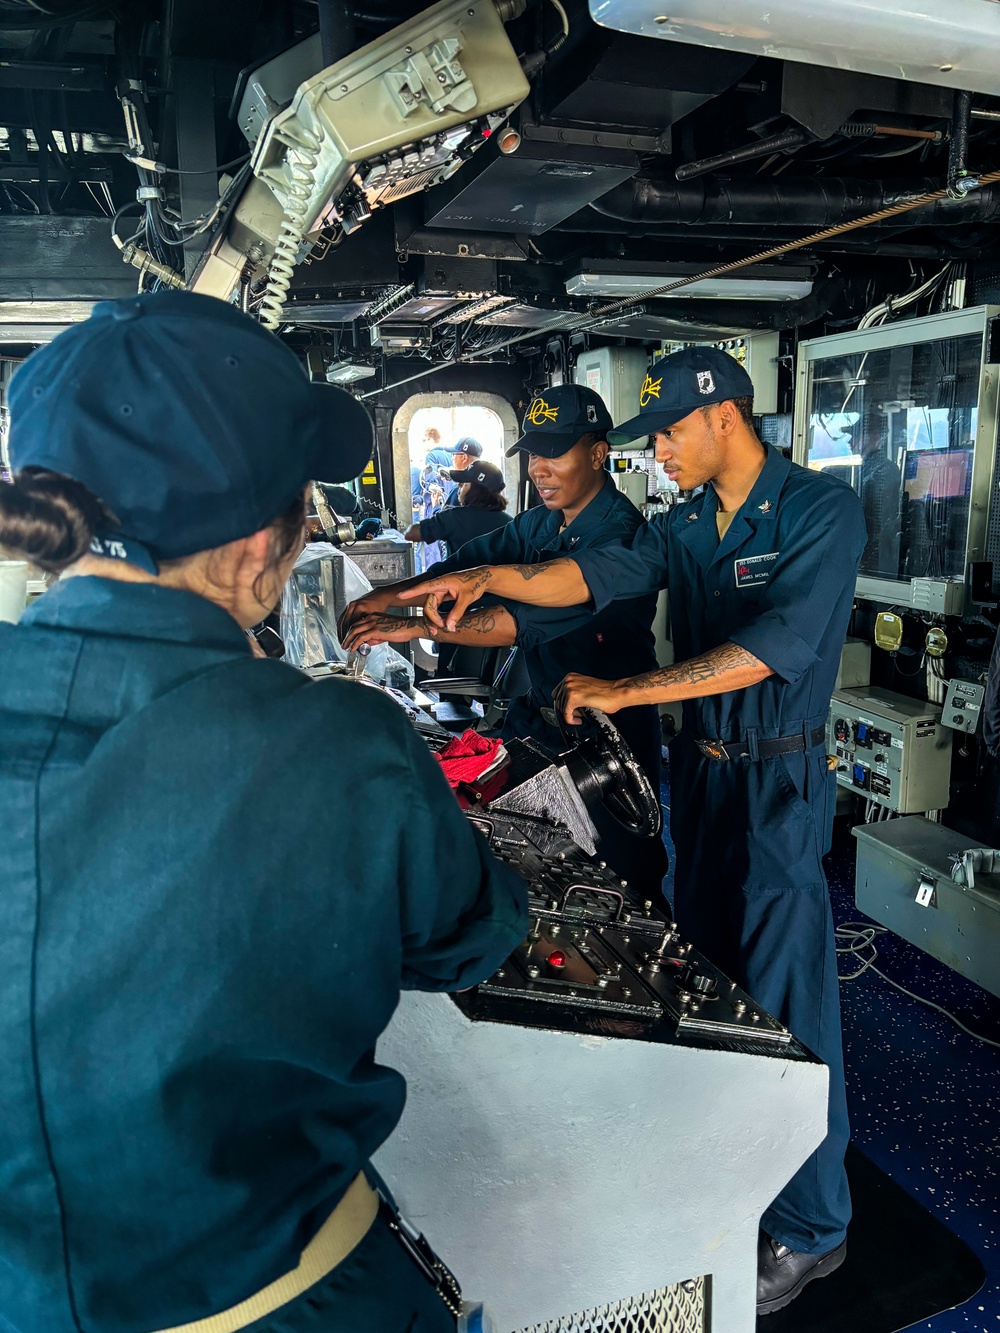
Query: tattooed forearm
point(487, 627)
point(728, 667)
point(528, 572)
point(473, 579)
point(387, 624)
point(554, 583)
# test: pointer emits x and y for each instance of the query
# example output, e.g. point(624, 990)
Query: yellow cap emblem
point(540, 411)
point(650, 389)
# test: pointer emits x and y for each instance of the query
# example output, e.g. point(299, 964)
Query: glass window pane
point(898, 424)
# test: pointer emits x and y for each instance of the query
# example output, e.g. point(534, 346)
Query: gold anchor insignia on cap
point(540, 411)
point(650, 389)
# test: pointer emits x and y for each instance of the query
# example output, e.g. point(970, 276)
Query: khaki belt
point(341, 1233)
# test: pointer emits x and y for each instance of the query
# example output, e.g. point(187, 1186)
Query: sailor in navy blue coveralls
point(201, 942)
point(749, 833)
point(616, 641)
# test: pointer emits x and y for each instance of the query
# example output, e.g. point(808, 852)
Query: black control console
point(598, 960)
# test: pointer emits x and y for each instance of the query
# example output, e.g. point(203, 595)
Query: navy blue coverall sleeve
point(616, 572)
point(463, 912)
point(500, 547)
point(817, 557)
point(430, 529)
point(535, 624)
point(541, 624)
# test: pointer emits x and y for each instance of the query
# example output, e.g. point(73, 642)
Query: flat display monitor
point(932, 475)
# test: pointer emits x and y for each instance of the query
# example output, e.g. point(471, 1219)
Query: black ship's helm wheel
point(606, 772)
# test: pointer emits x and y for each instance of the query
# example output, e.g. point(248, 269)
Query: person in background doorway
point(481, 508)
point(464, 452)
point(431, 440)
point(434, 482)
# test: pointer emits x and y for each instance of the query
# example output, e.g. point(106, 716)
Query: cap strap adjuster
point(116, 546)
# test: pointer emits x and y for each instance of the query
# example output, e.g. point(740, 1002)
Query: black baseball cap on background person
point(678, 385)
point(557, 418)
point(467, 445)
point(481, 472)
point(190, 421)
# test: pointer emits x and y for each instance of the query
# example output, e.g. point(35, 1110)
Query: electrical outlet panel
point(890, 748)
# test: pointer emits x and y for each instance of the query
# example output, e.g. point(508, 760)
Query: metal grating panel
point(682, 1308)
point(402, 189)
point(993, 545)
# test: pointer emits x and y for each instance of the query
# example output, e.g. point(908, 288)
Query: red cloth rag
point(466, 756)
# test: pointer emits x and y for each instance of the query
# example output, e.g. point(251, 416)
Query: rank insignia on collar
point(692, 518)
point(765, 508)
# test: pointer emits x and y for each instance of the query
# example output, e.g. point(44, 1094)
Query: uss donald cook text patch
point(752, 570)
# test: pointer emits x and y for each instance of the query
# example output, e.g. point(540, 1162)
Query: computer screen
point(934, 475)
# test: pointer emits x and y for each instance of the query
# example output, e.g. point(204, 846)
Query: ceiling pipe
point(336, 30)
point(717, 238)
point(960, 179)
point(786, 142)
point(794, 202)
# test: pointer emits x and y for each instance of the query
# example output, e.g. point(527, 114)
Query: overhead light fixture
point(348, 372)
point(34, 322)
point(706, 289)
point(44, 312)
point(951, 45)
point(476, 309)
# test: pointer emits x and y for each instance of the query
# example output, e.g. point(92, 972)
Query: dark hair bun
point(49, 519)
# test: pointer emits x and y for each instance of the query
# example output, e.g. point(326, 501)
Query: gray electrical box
point(382, 560)
point(903, 881)
point(855, 664)
point(617, 374)
point(963, 706)
point(890, 748)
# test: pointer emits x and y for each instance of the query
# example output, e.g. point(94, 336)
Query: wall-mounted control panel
point(963, 706)
point(890, 748)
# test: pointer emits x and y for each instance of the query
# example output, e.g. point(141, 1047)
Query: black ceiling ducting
point(823, 99)
point(616, 79)
point(798, 202)
point(528, 191)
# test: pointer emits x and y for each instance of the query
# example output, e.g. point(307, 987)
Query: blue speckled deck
point(924, 1097)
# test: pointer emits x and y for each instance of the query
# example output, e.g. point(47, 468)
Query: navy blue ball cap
point(678, 385)
point(556, 419)
point(481, 472)
point(190, 421)
point(467, 445)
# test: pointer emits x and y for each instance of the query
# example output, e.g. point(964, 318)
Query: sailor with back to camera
point(201, 945)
